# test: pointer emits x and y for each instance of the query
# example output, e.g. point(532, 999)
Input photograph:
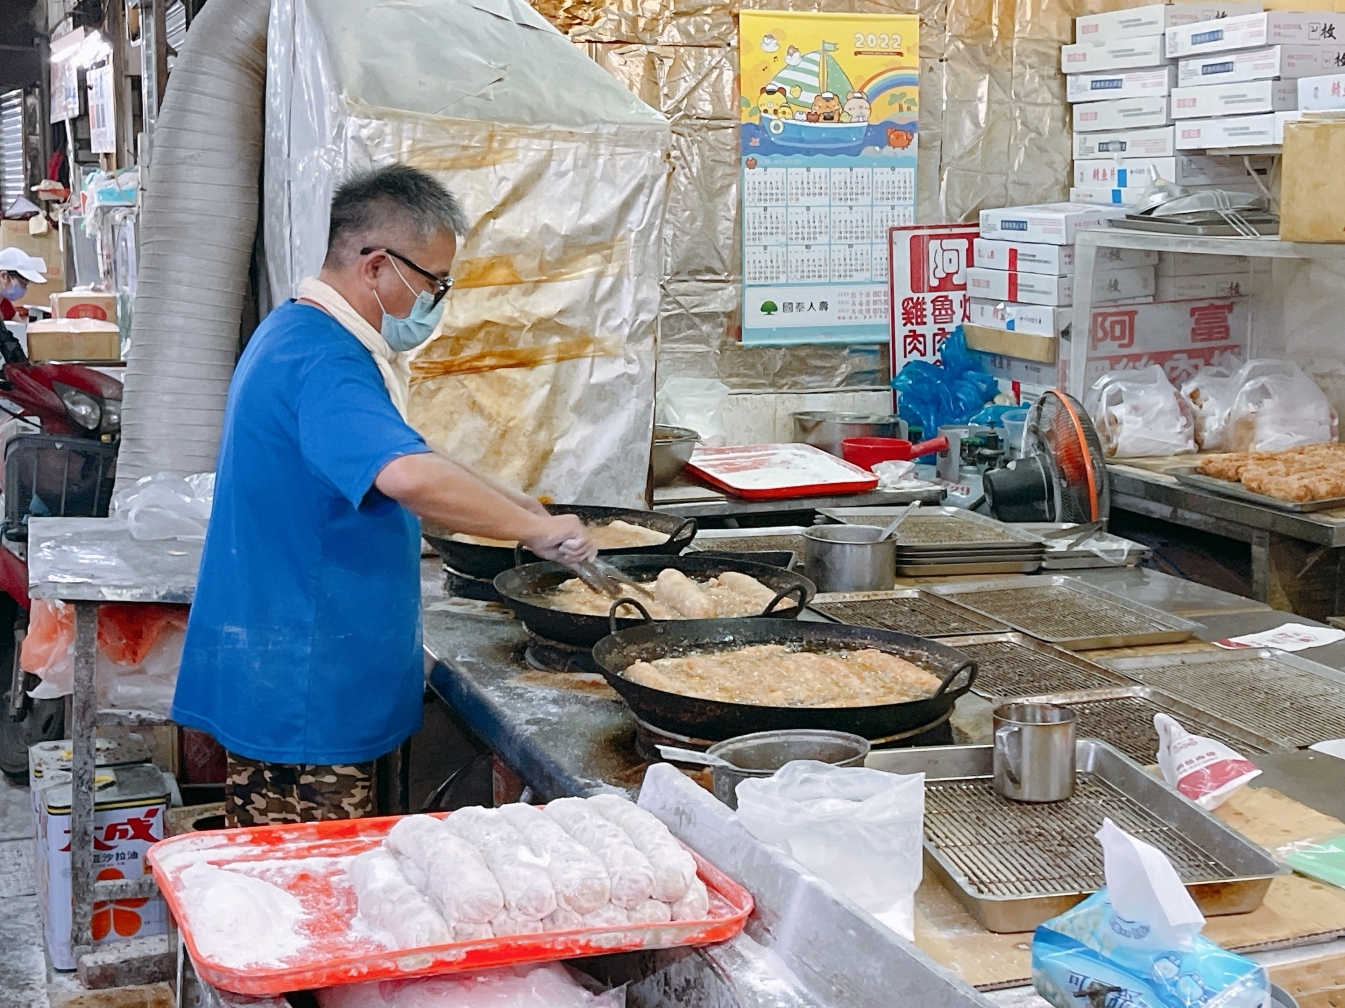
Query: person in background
point(303, 651)
point(17, 270)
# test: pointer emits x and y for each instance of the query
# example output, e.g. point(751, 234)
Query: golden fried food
point(1302, 474)
point(676, 596)
point(617, 534)
point(773, 675)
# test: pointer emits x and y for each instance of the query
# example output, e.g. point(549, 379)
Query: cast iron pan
point(476, 560)
point(712, 719)
point(521, 587)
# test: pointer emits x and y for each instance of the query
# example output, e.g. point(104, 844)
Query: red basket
point(334, 956)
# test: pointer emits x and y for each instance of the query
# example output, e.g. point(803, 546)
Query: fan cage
point(1072, 455)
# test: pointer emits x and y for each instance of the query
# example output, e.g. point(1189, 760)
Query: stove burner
point(466, 586)
point(554, 656)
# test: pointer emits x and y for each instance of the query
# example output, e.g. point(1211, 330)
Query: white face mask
point(419, 323)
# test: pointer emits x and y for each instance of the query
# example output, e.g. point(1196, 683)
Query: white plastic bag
point(1211, 391)
point(1203, 769)
point(1277, 406)
point(1139, 413)
point(549, 985)
point(164, 506)
point(697, 403)
point(860, 829)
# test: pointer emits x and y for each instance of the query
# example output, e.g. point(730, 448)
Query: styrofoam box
point(1025, 257)
point(1044, 223)
point(1147, 143)
point(1204, 285)
point(1122, 113)
point(1246, 31)
point(1241, 98)
point(1187, 170)
point(1177, 264)
point(1321, 94)
point(1234, 131)
point(1154, 19)
point(1036, 320)
point(1254, 64)
point(1131, 54)
point(1128, 84)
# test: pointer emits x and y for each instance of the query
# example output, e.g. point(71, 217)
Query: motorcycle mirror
point(11, 350)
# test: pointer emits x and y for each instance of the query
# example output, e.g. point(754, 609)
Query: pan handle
point(687, 523)
point(623, 601)
point(518, 554)
point(967, 666)
point(783, 594)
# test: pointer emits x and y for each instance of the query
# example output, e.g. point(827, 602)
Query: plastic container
point(1015, 429)
point(867, 452)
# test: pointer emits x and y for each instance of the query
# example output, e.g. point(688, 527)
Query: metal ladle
point(693, 756)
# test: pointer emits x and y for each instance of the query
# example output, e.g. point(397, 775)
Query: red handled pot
point(867, 452)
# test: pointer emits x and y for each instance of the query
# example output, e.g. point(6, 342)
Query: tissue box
point(1312, 188)
point(1136, 22)
point(1045, 223)
point(1131, 54)
point(1321, 93)
point(1036, 320)
point(1249, 30)
point(1289, 61)
point(1234, 131)
point(1147, 143)
point(1239, 98)
point(1122, 113)
point(77, 339)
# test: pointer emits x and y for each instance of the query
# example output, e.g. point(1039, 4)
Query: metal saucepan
point(476, 560)
point(671, 451)
point(521, 588)
point(826, 430)
point(694, 717)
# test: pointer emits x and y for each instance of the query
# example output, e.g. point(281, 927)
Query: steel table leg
point(84, 715)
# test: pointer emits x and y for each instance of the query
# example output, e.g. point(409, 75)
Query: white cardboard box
point(1122, 113)
point(1233, 131)
point(1107, 197)
point(1036, 320)
point(1025, 257)
point(1247, 31)
point(1188, 169)
point(1177, 264)
point(1202, 285)
point(1130, 54)
point(1287, 61)
point(1125, 84)
point(1145, 143)
point(1321, 94)
point(1181, 326)
point(1154, 19)
point(1045, 223)
point(1241, 98)
point(1127, 283)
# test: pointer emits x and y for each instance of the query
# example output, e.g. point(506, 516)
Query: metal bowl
point(761, 754)
point(826, 430)
point(672, 449)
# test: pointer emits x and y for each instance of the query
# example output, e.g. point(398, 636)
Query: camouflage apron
point(263, 794)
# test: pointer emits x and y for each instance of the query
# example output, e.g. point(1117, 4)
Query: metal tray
point(1211, 230)
point(1123, 717)
point(953, 568)
point(776, 538)
point(1272, 694)
point(1014, 664)
point(938, 529)
point(910, 610)
point(1229, 488)
point(1070, 613)
point(1014, 865)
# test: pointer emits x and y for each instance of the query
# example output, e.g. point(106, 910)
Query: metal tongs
point(603, 577)
point(1078, 535)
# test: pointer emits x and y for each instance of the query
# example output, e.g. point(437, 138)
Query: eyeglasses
point(442, 285)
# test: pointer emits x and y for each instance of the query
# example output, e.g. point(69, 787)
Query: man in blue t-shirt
point(303, 650)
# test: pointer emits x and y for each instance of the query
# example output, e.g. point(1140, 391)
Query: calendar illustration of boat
point(808, 111)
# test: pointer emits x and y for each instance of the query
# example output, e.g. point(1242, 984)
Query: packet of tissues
point(1137, 943)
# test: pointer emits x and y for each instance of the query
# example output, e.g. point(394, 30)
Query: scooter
point(64, 467)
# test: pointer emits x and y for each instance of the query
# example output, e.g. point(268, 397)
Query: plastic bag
point(862, 830)
point(164, 506)
point(1140, 938)
point(1203, 769)
point(1321, 857)
point(697, 403)
point(1277, 406)
point(549, 985)
point(1139, 413)
point(931, 396)
point(1210, 392)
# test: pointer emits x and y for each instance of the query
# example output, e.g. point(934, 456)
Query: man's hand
point(562, 539)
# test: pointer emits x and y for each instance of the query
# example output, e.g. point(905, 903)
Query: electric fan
point(1062, 476)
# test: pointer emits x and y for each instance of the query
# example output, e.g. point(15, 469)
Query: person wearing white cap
point(17, 270)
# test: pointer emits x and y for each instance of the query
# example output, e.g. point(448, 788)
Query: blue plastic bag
point(1139, 940)
point(933, 395)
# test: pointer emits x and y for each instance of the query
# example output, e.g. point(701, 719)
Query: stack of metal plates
point(942, 541)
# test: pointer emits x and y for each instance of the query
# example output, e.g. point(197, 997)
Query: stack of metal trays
point(744, 542)
point(943, 541)
point(1264, 692)
point(1101, 549)
point(910, 610)
point(1015, 665)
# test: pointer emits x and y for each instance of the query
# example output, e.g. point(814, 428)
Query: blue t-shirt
point(303, 644)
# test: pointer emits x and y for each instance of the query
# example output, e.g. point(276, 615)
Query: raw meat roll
point(748, 587)
point(695, 905)
point(472, 932)
point(675, 589)
point(631, 874)
point(579, 876)
point(389, 902)
point(457, 880)
point(562, 919)
point(527, 888)
point(673, 867)
point(609, 916)
point(509, 923)
point(651, 911)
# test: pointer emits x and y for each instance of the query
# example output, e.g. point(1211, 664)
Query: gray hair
point(397, 195)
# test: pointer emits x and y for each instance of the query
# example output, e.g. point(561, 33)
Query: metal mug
point(843, 558)
point(1034, 751)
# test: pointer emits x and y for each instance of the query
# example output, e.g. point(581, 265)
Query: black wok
point(712, 719)
point(522, 587)
point(479, 561)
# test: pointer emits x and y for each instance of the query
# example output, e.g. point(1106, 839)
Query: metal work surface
point(1069, 612)
point(1014, 665)
point(909, 610)
point(952, 527)
point(1157, 590)
point(1273, 694)
point(722, 506)
point(96, 560)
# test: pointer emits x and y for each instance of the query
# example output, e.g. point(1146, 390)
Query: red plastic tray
point(778, 471)
point(334, 956)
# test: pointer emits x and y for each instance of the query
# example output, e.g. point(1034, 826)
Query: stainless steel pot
point(844, 558)
point(763, 753)
point(827, 430)
point(672, 449)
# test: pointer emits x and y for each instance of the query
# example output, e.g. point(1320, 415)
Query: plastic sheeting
point(543, 371)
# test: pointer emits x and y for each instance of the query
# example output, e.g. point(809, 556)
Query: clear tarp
point(543, 371)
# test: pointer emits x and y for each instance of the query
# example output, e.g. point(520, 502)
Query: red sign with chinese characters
point(929, 264)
